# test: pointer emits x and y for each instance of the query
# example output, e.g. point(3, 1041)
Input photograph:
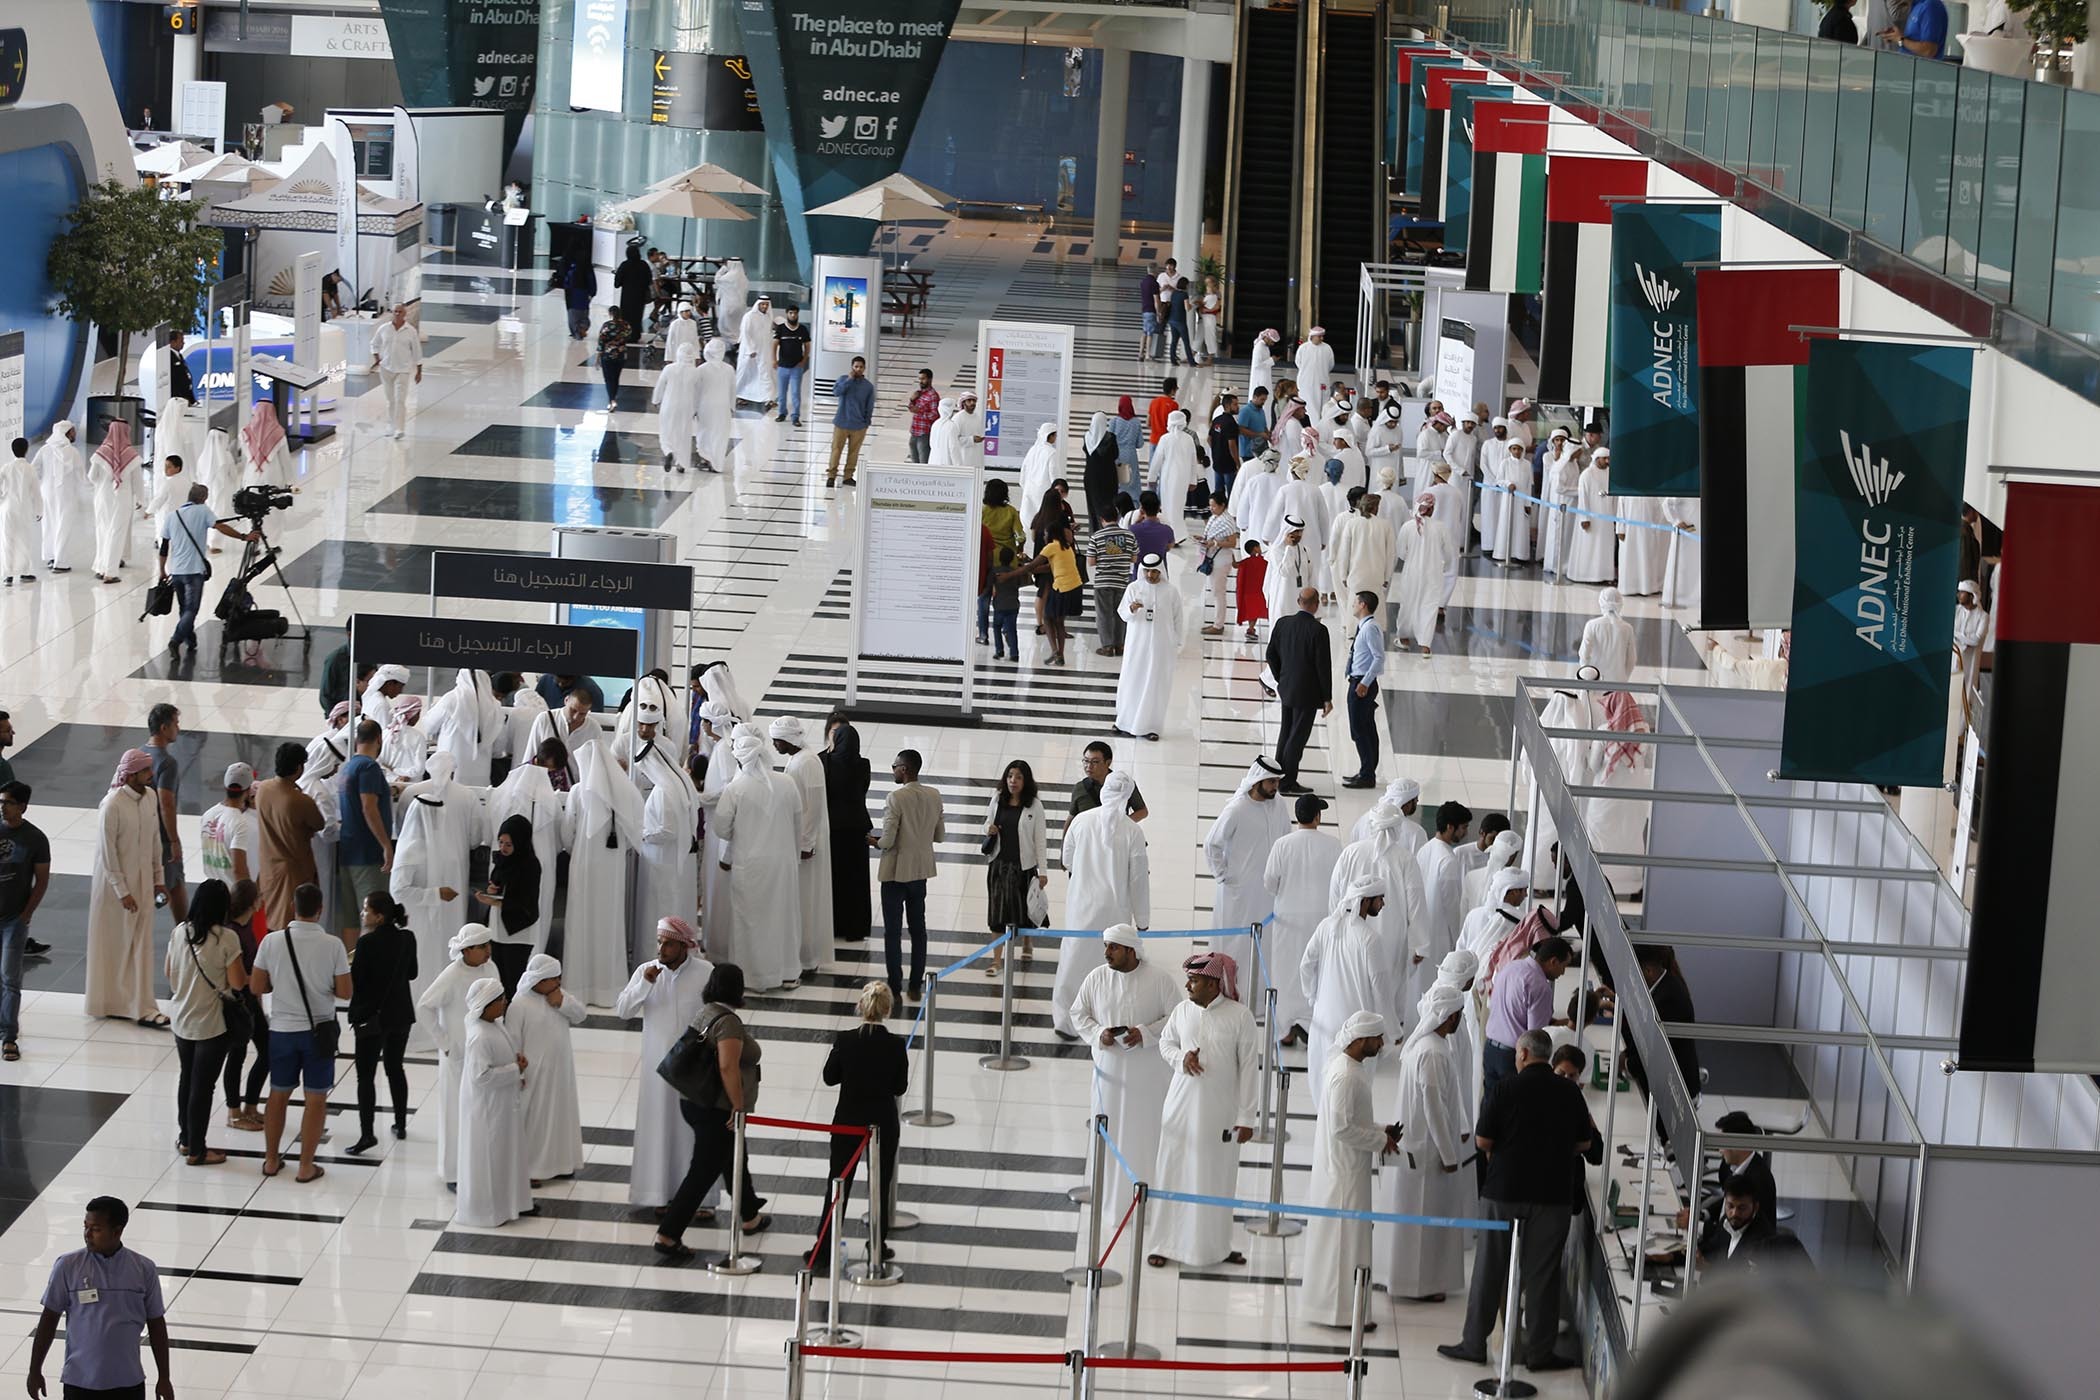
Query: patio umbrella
point(889, 200)
point(686, 201)
point(169, 157)
point(711, 178)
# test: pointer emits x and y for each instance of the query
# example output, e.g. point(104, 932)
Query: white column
point(1108, 153)
point(188, 65)
point(1188, 164)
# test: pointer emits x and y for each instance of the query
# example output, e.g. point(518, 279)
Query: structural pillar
point(188, 67)
point(1108, 154)
point(1189, 154)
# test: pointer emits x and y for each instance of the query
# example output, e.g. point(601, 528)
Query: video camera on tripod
point(241, 620)
point(255, 502)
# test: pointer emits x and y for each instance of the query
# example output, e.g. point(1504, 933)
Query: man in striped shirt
point(1114, 553)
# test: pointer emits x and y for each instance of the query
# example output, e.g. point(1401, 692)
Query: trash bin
point(441, 225)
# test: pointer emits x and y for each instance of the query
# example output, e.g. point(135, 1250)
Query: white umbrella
point(224, 168)
point(688, 201)
point(712, 178)
point(169, 157)
point(889, 200)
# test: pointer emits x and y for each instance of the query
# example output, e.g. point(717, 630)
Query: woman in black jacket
point(846, 810)
point(869, 1066)
point(382, 1011)
point(514, 894)
point(1102, 475)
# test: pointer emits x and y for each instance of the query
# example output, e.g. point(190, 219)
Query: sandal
point(273, 1167)
point(1236, 1258)
point(320, 1172)
point(991, 968)
point(212, 1158)
point(10, 1051)
point(1157, 1261)
point(154, 1022)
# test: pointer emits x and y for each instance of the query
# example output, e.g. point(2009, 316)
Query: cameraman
point(182, 562)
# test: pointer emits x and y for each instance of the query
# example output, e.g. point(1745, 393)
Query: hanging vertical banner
point(1416, 177)
point(1429, 181)
point(2028, 1005)
point(1576, 305)
point(466, 53)
point(1396, 131)
point(1747, 363)
point(1458, 159)
point(1505, 241)
point(1436, 97)
point(343, 147)
point(1654, 355)
point(408, 159)
point(1884, 438)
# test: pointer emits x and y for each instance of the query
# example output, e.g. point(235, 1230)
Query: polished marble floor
point(359, 1285)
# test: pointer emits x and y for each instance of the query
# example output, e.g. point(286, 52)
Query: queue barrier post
point(1006, 1059)
point(1500, 1384)
point(879, 1271)
point(927, 1116)
point(736, 1264)
point(832, 1334)
point(1359, 1323)
point(1640, 1260)
point(797, 1339)
point(1089, 1337)
point(1130, 1346)
point(1272, 1066)
point(1275, 1225)
point(1077, 1361)
point(1097, 1194)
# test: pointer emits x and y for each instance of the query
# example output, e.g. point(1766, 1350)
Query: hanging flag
point(1458, 157)
point(1654, 332)
point(1883, 441)
point(1399, 151)
point(1506, 227)
point(1425, 132)
point(1747, 362)
point(2032, 976)
point(1436, 99)
point(1576, 305)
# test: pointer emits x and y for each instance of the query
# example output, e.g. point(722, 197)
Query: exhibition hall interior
point(876, 698)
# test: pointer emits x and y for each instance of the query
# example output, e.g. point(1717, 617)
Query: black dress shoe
point(1359, 782)
point(1553, 1363)
point(1293, 789)
point(34, 949)
point(1453, 1352)
point(1066, 1036)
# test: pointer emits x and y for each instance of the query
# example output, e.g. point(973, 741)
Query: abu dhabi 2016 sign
point(840, 88)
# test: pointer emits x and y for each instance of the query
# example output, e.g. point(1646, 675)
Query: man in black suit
point(1304, 682)
point(180, 385)
point(1673, 1002)
point(1748, 1236)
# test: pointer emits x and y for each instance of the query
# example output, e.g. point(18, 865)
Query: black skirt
point(1006, 889)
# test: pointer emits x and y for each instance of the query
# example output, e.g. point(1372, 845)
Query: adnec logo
point(1875, 481)
point(1660, 293)
point(1887, 557)
point(1669, 366)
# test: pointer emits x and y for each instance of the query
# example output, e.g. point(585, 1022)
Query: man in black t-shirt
point(790, 360)
point(25, 874)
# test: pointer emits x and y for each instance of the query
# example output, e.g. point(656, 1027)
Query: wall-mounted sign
point(598, 56)
point(257, 31)
point(703, 91)
point(14, 64)
point(341, 36)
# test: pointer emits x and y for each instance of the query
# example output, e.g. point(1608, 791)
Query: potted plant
point(127, 262)
point(2059, 24)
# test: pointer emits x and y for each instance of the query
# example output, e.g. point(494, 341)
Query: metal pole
point(1511, 1304)
point(1611, 1089)
point(1006, 1059)
point(1274, 1226)
point(1096, 1197)
point(831, 1334)
point(1261, 964)
point(1130, 1346)
point(1640, 1257)
point(1359, 1320)
point(795, 1339)
point(1076, 1360)
point(1272, 1065)
point(1093, 1326)
point(927, 1116)
point(877, 1272)
point(1516, 741)
point(736, 1265)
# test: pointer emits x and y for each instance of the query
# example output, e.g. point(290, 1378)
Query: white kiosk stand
point(915, 581)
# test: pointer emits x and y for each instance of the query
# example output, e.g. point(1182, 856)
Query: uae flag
point(2033, 980)
point(1747, 415)
point(1505, 240)
point(1436, 103)
point(1576, 310)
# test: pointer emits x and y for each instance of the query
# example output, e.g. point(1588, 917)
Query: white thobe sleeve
point(1154, 1028)
point(1442, 1119)
point(1217, 845)
point(1171, 1047)
point(110, 836)
point(1247, 1065)
point(635, 994)
point(1139, 874)
point(1089, 1007)
point(1309, 966)
point(571, 1009)
point(1350, 1118)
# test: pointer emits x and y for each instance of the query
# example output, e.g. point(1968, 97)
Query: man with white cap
point(600, 823)
point(1510, 539)
point(812, 841)
point(1362, 560)
point(1106, 857)
point(1296, 876)
point(1450, 492)
point(1462, 450)
point(1173, 468)
point(442, 1009)
point(1350, 965)
point(1261, 368)
point(1592, 553)
point(1561, 464)
point(1155, 626)
point(128, 873)
point(1403, 922)
point(1346, 1144)
point(1292, 569)
point(1504, 849)
point(540, 1018)
point(1607, 640)
point(440, 820)
point(1213, 1049)
point(1237, 851)
point(1493, 452)
point(1315, 365)
point(495, 1182)
point(1460, 969)
point(760, 820)
point(1122, 1006)
point(1430, 442)
point(754, 353)
point(230, 847)
point(1428, 570)
point(677, 400)
point(717, 720)
point(668, 994)
point(1420, 1263)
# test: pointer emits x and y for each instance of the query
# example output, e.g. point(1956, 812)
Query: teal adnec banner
point(1418, 117)
point(1878, 470)
point(840, 84)
point(1654, 378)
point(467, 53)
point(1458, 158)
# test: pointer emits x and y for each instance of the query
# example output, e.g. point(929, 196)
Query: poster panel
point(1025, 369)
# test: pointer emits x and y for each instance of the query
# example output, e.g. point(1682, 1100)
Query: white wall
point(65, 67)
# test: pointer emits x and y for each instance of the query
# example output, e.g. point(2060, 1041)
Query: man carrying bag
point(303, 1029)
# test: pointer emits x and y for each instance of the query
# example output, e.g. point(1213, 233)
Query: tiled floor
point(359, 1287)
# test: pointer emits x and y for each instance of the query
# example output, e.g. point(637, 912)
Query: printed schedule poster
point(916, 578)
point(1026, 371)
point(845, 326)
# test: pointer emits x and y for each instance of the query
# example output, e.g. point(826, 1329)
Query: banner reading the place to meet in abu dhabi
point(1883, 441)
point(840, 84)
point(1654, 357)
point(466, 53)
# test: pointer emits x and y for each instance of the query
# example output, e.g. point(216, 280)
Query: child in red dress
point(1249, 575)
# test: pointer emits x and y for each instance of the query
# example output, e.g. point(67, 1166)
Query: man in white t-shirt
point(302, 996)
point(397, 354)
point(232, 832)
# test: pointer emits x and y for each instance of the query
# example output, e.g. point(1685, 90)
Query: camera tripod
point(258, 556)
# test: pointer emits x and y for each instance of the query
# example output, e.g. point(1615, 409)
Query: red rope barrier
point(995, 1358)
point(1120, 1224)
point(844, 1128)
point(1124, 1363)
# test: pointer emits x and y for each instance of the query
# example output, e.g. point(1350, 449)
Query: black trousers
point(1545, 1230)
point(904, 901)
point(510, 960)
point(842, 1149)
point(612, 370)
point(199, 1062)
point(374, 1044)
point(714, 1148)
point(1293, 732)
point(1363, 728)
point(259, 1067)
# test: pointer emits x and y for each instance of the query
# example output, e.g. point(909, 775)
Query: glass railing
point(1992, 182)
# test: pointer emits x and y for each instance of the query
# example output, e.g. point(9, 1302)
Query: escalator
point(1264, 180)
point(1350, 177)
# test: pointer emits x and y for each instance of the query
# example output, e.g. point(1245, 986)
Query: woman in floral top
point(612, 355)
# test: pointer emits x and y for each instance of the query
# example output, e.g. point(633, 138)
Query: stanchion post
point(1006, 1059)
point(1097, 1193)
point(1271, 1066)
point(1359, 1321)
point(1640, 1258)
point(1274, 1225)
point(1130, 1345)
point(795, 1339)
point(1611, 1084)
point(1093, 1324)
point(831, 1334)
point(877, 1272)
point(1261, 966)
point(736, 1264)
point(927, 1116)
point(1076, 1360)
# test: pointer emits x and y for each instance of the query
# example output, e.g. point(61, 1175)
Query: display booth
point(298, 215)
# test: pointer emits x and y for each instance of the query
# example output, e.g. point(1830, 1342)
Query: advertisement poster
point(1454, 361)
point(465, 53)
point(1026, 370)
point(1883, 441)
point(598, 55)
point(14, 384)
point(1654, 377)
point(916, 580)
point(845, 314)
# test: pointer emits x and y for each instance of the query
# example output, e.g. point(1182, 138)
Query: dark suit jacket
point(869, 1066)
point(1298, 659)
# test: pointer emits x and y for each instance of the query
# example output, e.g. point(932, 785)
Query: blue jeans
point(1006, 631)
point(984, 622)
point(1177, 338)
point(293, 1059)
point(13, 934)
point(189, 597)
point(787, 390)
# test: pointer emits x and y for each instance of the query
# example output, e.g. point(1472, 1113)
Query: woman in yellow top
point(1067, 588)
point(1002, 525)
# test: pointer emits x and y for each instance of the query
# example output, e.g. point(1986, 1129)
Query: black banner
point(452, 642)
point(704, 92)
point(466, 53)
point(537, 578)
point(14, 64)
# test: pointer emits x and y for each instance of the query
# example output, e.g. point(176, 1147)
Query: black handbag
point(691, 1067)
point(231, 1005)
point(328, 1034)
point(160, 598)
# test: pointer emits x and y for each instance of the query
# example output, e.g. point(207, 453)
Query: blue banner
point(1654, 383)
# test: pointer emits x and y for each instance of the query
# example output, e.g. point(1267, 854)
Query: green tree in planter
point(2060, 22)
point(127, 262)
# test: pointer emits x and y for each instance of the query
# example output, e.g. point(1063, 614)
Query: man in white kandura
point(127, 876)
point(467, 722)
point(760, 817)
point(1346, 1145)
point(601, 823)
point(1155, 623)
point(1300, 865)
point(1443, 889)
point(1237, 852)
point(1607, 640)
point(442, 1009)
point(1350, 966)
point(667, 859)
point(1423, 1263)
point(437, 822)
point(1382, 851)
point(495, 1186)
point(1315, 365)
point(677, 400)
point(540, 1019)
point(1106, 857)
point(667, 993)
point(813, 840)
point(1121, 1009)
point(1213, 1048)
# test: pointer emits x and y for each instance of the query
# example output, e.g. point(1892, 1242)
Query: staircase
point(1350, 174)
point(1265, 183)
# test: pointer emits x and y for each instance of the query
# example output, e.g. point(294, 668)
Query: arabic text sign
point(451, 642)
point(535, 578)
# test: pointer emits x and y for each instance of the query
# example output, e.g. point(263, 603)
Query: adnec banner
point(1883, 439)
point(1654, 356)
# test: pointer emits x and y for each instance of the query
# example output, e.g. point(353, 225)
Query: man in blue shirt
point(1366, 665)
point(105, 1293)
point(855, 394)
point(364, 852)
point(182, 561)
point(1924, 33)
point(1254, 424)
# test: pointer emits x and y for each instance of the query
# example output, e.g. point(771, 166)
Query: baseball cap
point(240, 775)
point(1310, 807)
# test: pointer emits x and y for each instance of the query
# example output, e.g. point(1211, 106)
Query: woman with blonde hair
point(869, 1067)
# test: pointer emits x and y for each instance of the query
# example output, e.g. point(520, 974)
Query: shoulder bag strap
point(292, 947)
point(216, 988)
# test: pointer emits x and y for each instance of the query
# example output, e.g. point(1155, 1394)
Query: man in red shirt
point(925, 406)
point(1156, 412)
